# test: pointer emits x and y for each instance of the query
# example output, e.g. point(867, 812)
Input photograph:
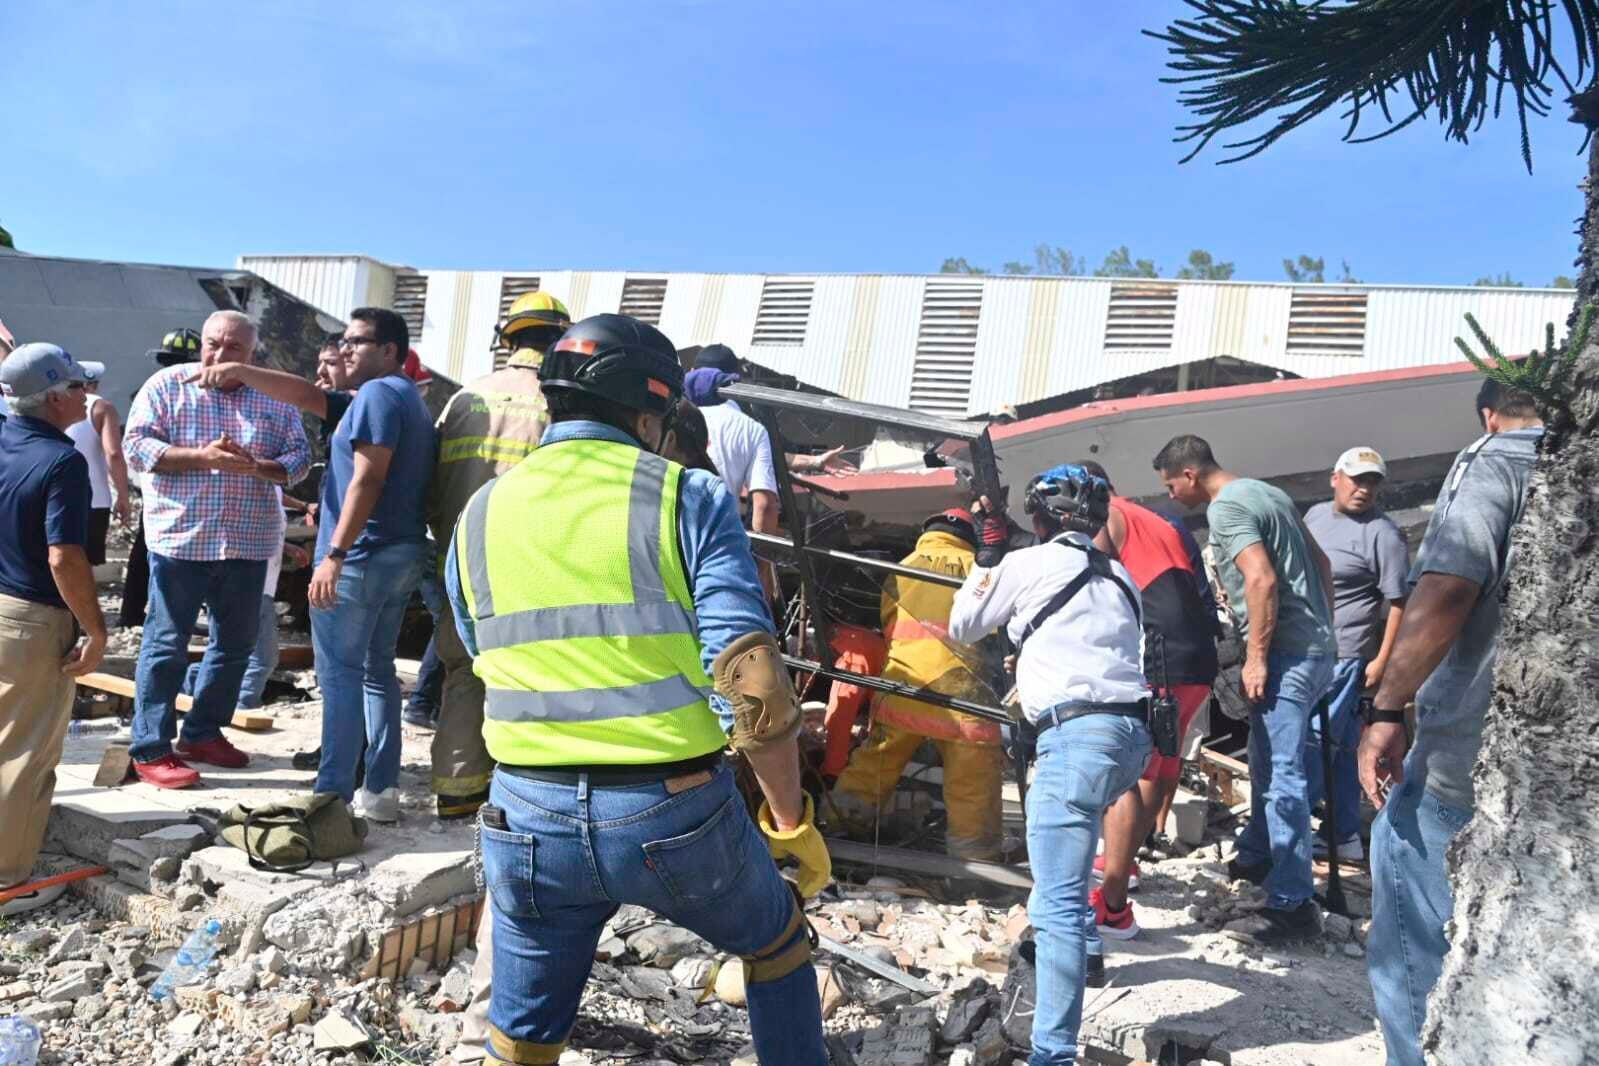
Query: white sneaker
point(377, 806)
point(1351, 850)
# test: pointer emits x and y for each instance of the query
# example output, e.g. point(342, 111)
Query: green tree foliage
point(1348, 276)
point(1119, 263)
point(960, 266)
point(1203, 266)
point(1503, 281)
point(1546, 375)
point(1305, 269)
point(5, 238)
point(1392, 61)
point(1562, 282)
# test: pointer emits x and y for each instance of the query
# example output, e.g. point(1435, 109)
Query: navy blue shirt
point(389, 412)
point(44, 500)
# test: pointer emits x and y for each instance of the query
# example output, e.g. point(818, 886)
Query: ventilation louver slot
point(1327, 322)
point(946, 345)
point(784, 311)
point(1140, 317)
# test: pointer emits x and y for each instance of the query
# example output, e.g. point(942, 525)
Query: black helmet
point(616, 358)
point(1071, 496)
point(178, 346)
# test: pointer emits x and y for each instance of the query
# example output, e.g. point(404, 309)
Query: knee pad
point(785, 954)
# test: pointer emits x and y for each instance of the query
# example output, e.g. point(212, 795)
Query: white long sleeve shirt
point(1090, 651)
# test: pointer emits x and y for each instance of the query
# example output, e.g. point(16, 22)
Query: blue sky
point(764, 136)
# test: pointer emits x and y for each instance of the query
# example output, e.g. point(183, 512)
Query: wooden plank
point(407, 951)
point(254, 721)
point(427, 940)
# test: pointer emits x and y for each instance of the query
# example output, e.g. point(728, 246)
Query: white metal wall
point(1037, 337)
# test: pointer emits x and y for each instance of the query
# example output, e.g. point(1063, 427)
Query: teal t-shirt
point(1247, 512)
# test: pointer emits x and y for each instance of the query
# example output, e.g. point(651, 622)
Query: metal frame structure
point(765, 404)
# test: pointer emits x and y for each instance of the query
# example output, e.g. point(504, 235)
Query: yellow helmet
point(534, 321)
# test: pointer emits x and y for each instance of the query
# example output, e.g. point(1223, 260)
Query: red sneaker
point(218, 751)
point(169, 771)
point(1114, 925)
point(1099, 873)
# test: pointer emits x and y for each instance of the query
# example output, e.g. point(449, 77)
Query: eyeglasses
point(76, 386)
point(355, 342)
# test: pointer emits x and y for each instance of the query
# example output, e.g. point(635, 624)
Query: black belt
point(1064, 713)
point(613, 776)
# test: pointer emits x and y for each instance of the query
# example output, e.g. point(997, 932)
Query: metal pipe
point(899, 688)
point(947, 580)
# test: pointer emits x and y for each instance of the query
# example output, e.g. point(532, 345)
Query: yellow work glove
point(804, 844)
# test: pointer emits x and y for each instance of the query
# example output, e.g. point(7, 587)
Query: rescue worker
point(600, 588)
point(487, 428)
point(1075, 617)
point(920, 652)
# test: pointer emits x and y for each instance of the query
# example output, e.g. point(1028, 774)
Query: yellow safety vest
point(587, 642)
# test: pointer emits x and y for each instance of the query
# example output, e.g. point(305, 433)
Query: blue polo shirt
point(44, 500)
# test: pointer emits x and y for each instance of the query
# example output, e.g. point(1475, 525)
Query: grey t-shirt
point(1370, 563)
point(1469, 537)
point(1247, 512)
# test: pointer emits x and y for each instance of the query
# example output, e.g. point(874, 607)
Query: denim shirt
point(728, 601)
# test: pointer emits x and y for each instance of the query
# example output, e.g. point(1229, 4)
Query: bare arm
point(763, 517)
point(1260, 601)
point(74, 579)
point(371, 469)
point(218, 455)
point(1379, 666)
point(1113, 535)
point(292, 390)
point(110, 429)
point(777, 770)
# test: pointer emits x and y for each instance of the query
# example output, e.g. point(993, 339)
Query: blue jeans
point(1411, 902)
point(1279, 818)
point(572, 854)
point(230, 591)
point(354, 645)
point(263, 660)
point(1083, 766)
point(429, 683)
point(1343, 722)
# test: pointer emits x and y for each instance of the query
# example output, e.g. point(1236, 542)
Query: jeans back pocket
point(508, 866)
point(705, 864)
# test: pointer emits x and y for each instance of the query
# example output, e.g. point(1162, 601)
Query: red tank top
point(1157, 554)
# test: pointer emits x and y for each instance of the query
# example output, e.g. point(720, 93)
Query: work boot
point(1254, 873)
point(1094, 972)
point(1270, 928)
point(218, 751)
point(169, 771)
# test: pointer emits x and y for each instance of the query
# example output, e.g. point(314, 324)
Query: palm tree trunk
point(1521, 982)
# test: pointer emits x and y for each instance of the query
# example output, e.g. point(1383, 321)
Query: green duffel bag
point(290, 835)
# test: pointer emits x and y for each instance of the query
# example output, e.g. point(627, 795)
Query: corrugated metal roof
point(1036, 337)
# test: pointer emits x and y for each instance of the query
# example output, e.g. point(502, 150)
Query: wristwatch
point(338, 553)
point(1374, 715)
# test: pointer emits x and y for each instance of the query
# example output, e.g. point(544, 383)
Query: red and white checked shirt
point(208, 515)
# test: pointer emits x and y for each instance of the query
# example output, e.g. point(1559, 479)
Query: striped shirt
point(208, 515)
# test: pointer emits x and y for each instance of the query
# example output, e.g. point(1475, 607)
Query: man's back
point(1161, 564)
point(487, 428)
point(1246, 512)
point(44, 499)
point(1469, 536)
point(741, 449)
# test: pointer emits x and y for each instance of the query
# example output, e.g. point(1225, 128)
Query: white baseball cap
point(1362, 460)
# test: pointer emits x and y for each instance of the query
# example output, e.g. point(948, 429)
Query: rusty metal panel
point(858, 344)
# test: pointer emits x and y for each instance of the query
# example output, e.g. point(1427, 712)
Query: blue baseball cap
point(34, 368)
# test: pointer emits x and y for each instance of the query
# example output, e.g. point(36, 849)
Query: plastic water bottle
point(81, 727)
point(188, 965)
point(19, 1041)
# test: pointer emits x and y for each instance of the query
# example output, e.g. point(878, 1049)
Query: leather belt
point(1066, 712)
point(613, 776)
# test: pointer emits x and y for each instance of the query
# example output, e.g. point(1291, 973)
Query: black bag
point(1019, 994)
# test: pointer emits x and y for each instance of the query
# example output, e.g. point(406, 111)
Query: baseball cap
point(33, 368)
point(717, 357)
point(1362, 460)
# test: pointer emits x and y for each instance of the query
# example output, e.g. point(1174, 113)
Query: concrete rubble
point(293, 983)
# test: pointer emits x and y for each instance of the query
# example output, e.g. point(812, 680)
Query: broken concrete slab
point(410, 882)
point(339, 1031)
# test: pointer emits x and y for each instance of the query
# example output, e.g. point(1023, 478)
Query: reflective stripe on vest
point(588, 646)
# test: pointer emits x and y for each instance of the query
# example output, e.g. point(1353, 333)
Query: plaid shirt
point(208, 515)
